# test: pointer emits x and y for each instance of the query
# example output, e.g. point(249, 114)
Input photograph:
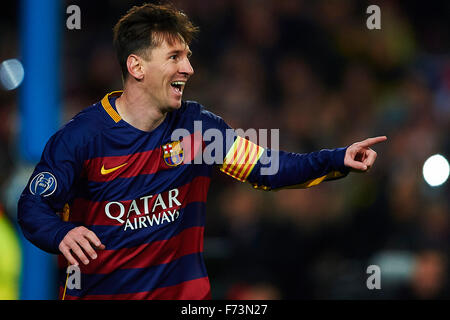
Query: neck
point(135, 108)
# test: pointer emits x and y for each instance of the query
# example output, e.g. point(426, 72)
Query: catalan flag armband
point(241, 159)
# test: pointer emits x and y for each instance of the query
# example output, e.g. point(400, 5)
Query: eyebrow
point(189, 52)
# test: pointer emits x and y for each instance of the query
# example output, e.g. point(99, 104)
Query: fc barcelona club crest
point(173, 153)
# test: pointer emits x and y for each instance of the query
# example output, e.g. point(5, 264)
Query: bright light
point(11, 74)
point(436, 170)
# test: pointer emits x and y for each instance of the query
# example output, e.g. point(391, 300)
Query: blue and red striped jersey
point(144, 195)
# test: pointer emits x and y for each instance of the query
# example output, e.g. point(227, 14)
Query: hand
point(359, 156)
point(79, 240)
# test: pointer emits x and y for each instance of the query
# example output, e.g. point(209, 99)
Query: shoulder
point(83, 127)
point(198, 111)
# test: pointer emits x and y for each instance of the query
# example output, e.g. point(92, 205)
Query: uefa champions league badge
point(173, 154)
point(43, 184)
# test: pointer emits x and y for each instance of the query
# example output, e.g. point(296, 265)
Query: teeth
point(178, 85)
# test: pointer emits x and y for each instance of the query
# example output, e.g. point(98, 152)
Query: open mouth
point(178, 86)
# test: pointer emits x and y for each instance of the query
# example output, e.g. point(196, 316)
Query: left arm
point(247, 161)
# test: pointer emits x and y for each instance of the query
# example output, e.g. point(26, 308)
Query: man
point(132, 197)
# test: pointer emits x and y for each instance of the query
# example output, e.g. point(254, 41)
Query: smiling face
point(165, 73)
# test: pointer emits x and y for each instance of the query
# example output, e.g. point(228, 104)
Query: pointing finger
point(371, 141)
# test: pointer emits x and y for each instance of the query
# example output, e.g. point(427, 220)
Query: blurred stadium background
point(310, 68)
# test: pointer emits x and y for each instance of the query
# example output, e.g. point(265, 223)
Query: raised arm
point(247, 161)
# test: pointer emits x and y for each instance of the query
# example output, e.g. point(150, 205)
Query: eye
point(174, 57)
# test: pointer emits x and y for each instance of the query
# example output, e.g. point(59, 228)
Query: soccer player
point(116, 195)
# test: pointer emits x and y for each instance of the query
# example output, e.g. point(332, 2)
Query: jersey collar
point(108, 107)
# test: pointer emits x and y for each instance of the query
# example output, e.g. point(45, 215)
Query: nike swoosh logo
point(106, 171)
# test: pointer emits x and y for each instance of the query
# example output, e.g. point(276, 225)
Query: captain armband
point(241, 159)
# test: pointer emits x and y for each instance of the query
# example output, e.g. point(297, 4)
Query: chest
point(126, 167)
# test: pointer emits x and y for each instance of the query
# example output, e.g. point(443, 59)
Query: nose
point(186, 67)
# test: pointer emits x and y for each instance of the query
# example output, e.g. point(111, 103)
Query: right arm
point(50, 187)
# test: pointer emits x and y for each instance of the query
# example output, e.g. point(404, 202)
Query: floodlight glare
point(436, 170)
point(11, 74)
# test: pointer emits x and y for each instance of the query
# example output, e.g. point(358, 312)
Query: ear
point(135, 66)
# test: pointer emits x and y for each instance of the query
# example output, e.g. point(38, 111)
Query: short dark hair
point(147, 26)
